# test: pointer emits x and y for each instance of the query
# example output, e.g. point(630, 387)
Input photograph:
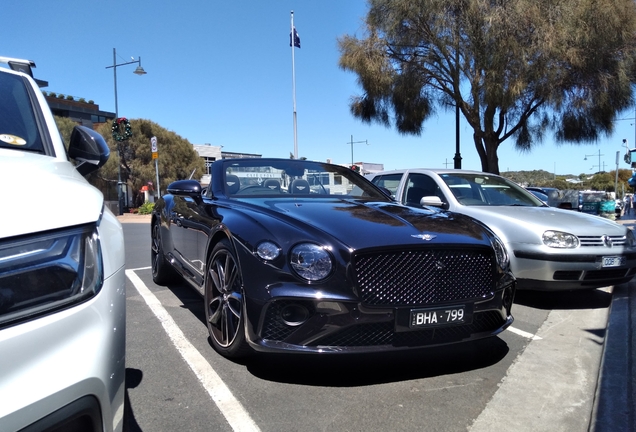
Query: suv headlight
point(558, 239)
point(47, 272)
point(629, 239)
point(310, 261)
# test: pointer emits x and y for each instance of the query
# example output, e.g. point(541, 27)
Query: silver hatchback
point(550, 248)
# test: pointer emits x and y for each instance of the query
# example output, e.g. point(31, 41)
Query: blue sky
point(220, 72)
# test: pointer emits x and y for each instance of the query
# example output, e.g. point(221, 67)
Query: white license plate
point(435, 317)
point(613, 261)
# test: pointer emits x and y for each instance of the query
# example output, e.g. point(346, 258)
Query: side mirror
point(191, 188)
point(88, 149)
point(433, 201)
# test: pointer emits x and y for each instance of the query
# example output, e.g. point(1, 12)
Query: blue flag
point(295, 38)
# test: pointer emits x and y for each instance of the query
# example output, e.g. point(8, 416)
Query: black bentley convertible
point(300, 256)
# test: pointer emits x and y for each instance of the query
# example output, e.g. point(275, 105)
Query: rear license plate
point(613, 261)
point(435, 317)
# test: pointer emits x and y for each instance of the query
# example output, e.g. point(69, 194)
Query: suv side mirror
point(433, 201)
point(88, 148)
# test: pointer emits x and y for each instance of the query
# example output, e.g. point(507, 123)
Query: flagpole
point(294, 85)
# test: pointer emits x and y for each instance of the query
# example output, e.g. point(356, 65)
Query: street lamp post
point(458, 155)
point(138, 71)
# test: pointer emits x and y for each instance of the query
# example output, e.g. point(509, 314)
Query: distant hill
point(534, 178)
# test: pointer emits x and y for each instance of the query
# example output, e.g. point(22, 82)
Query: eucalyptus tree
point(515, 69)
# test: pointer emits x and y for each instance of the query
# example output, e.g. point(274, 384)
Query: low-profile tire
point(224, 303)
point(162, 272)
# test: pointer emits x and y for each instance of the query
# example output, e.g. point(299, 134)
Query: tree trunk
point(487, 151)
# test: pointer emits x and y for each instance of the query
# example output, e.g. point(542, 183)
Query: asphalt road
point(541, 375)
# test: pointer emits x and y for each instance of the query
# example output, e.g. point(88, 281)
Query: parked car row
point(314, 234)
point(592, 202)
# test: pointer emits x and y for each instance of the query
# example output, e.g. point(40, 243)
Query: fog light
point(294, 314)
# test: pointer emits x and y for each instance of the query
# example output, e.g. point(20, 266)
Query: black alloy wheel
point(224, 312)
point(162, 272)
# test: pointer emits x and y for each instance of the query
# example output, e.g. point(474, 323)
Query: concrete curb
point(614, 405)
point(615, 402)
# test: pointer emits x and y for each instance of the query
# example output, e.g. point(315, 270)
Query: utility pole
point(355, 142)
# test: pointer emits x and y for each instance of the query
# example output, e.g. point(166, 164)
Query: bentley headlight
point(562, 240)
point(310, 261)
point(503, 259)
point(46, 272)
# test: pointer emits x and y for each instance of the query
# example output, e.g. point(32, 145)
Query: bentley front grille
point(414, 278)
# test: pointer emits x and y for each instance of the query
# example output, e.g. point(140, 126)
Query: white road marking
point(238, 418)
point(523, 333)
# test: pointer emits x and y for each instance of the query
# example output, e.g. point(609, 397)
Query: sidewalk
point(615, 404)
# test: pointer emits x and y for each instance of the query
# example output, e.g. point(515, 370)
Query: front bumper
point(541, 271)
point(331, 325)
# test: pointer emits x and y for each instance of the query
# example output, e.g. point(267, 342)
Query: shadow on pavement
point(191, 300)
point(133, 379)
point(564, 300)
point(361, 370)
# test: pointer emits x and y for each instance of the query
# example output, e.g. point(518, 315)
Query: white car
point(550, 248)
point(62, 284)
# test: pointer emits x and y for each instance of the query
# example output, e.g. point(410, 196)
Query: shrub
point(82, 100)
point(146, 208)
point(51, 94)
point(69, 97)
point(91, 101)
point(60, 96)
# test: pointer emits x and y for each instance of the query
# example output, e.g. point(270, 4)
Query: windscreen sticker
point(12, 139)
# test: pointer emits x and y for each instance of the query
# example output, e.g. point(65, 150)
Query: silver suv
point(62, 283)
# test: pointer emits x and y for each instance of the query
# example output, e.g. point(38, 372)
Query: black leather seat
point(232, 184)
point(272, 184)
point(300, 186)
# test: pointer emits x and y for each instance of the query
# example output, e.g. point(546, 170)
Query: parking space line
point(523, 333)
point(238, 418)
